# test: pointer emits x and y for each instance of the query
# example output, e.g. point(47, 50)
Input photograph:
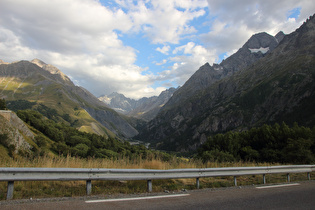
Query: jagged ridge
point(144, 108)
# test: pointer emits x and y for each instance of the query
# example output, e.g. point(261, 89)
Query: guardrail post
point(197, 183)
point(149, 185)
point(288, 177)
point(88, 187)
point(235, 181)
point(309, 176)
point(264, 178)
point(10, 190)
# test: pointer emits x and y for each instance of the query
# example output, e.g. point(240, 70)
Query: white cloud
point(162, 21)
point(187, 59)
point(80, 37)
point(226, 38)
point(164, 61)
point(11, 48)
point(76, 36)
point(84, 39)
point(164, 49)
point(235, 21)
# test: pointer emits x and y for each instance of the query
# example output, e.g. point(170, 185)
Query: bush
point(216, 155)
point(4, 140)
point(40, 140)
point(81, 150)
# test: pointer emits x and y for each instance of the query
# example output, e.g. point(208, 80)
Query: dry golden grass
point(124, 163)
point(41, 189)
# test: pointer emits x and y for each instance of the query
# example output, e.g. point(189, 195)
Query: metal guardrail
point(66, 174)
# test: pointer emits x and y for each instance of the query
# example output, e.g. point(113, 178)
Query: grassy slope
point(53, 96)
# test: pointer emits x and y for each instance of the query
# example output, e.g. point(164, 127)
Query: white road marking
point(137, 198)
point(281, 185)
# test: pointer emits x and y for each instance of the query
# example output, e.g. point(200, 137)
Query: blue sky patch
point(294, 13)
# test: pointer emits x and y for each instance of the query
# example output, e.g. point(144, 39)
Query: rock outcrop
point(16, 131)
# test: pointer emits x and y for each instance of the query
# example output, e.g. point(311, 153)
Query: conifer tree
point(3, 105)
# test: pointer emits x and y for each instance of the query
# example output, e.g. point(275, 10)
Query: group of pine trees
point(277, 143)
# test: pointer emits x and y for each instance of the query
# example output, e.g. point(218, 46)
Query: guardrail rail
point(66, 174)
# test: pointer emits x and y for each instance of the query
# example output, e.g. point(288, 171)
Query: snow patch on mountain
point(261, 49)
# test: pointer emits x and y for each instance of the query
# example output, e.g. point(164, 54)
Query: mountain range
point(144, 108)
point(147, 108)
point(269, 79)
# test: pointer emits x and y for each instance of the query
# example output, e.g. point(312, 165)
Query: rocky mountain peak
point(2, 62)
point(52, 70)
point(254, 49)
point(38, 62)
point(117, 95)
point(261, 40)
point(279, 36)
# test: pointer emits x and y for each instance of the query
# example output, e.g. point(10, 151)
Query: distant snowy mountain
point(144, 108)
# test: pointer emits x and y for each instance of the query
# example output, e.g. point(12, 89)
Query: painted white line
point(137, 198)
point(281, 185)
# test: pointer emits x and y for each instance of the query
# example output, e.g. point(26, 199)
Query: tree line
point(268, 143)
point(276, 143)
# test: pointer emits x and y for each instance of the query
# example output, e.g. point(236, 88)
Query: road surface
point(287, 196)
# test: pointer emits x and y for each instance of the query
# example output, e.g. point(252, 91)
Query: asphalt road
point(294, 196)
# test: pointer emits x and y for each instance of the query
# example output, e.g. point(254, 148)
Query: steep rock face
point(280, 86)
point(37, 81)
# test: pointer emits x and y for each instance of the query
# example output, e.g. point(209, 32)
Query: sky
point(138, 48)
